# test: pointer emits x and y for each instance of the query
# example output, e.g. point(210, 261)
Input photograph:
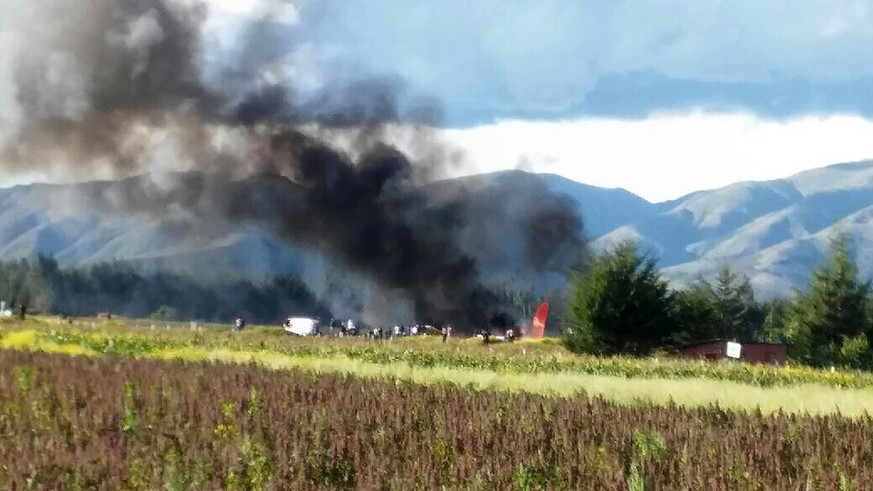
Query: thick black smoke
point(117, 85)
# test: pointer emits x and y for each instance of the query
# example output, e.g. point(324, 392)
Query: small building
point(751, 352)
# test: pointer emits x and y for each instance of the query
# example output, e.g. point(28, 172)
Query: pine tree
point(830, 323)
point(738, 313)
point(723, 309)
point(773, 329)
point(621, 305)
point(697, 314)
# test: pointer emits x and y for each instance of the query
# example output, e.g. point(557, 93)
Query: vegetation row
point(117, 423)
point(425, 352)
point(620, 303)
point(617, 303)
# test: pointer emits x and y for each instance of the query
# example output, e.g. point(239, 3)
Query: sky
point(661, 98)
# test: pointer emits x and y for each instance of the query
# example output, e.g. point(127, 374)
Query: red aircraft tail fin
point(538, 325)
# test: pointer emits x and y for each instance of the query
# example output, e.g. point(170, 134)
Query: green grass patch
point(809, 398)
point(526, 357)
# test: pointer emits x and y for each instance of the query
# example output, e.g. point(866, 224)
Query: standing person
point(448, 331)
point(445, 333)
point(510, 335)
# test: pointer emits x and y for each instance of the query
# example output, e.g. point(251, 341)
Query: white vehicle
point(301, 326)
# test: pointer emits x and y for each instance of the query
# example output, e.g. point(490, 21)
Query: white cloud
point(667, 156)
point(247, 10)
point(549, 54)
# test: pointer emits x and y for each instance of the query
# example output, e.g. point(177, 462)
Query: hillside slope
point(83, 224)
point(774, 231)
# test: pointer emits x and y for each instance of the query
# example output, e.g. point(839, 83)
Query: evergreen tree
point(697, 314)
point(736, 302)
point(21, 284)
point(621, 304)
point(739, 315)
point(723, 309)
point(773, 329)
point(830, 323)
point(119, 288)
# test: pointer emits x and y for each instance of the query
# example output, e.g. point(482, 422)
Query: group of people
point(399, 331)
point(348, 328)
point(509, 336)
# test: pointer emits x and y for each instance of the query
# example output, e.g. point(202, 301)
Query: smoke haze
point(118, 88)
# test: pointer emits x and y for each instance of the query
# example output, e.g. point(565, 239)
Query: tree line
point(620, 303)
point(118, 288)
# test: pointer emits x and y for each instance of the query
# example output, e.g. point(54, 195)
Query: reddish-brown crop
point(113, 423)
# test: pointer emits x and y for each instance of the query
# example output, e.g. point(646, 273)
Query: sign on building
point(734, 350)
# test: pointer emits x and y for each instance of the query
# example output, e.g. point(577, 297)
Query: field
point(538, 367)
point(128, 405)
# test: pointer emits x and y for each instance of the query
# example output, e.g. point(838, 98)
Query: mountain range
point(775, 231)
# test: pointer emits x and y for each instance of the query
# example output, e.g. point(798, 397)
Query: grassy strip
point(549, 357)
point(696, 392)
point(807, 398)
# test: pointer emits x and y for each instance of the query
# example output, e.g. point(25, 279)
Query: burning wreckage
point(308, 326)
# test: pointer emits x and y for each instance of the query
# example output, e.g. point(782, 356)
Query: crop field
point(117, 423)
point(543, 367)
point(96, 404)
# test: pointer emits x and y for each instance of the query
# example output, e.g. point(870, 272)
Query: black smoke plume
point(118, 86)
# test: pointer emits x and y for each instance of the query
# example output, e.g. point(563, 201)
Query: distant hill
point(63, 221)
point(602, 209)
point(80, 224)
point(774, 231)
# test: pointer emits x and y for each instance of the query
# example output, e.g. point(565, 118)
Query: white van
point(301, 326)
